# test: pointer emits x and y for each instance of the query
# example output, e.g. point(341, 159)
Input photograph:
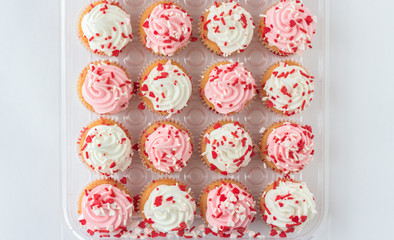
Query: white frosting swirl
point(167, 87)
point(230, 26)
point(289, 206)
point(107, 28)
point(169, 208)
point(228, 148)
point(107, 149)
point(290, 89)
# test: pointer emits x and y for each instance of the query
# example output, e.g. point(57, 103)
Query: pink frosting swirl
point(289, 26)
point(290, 147)
point(229, 208)
point(230, 87)
point(167, 29)
point(168, 148)
point(107, 88)
point(107, 209)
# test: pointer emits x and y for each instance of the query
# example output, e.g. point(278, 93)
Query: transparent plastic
point(196, 117)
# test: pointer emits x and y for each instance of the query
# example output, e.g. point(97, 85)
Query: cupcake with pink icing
point(227, 207)
point(105, 87)
point(287, 147)
point(287, 28)
point(105, 209)
point(166, 146)
point(165, 28)
point(227, 87)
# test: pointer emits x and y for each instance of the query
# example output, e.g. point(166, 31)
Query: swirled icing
point(229, 26)
point(290, 147)
point(106, 209)
point(107, 28)
point(169, 208)
point(167, 29)
point(229, 208)
point(107, 149)
point(228, 148)
point(168, 148)
point(289, 26)
point(289, 89)
point(289, 206)
point(229, 87)
point(107, 88)
point(167, 87)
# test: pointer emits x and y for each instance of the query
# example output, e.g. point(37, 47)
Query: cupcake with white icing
point(226, 28)
point(105, 146)
point(287, 206)
point(165, 87)
point(168, 206)
point(287, 88)
point(105, 28)
point(226, 147)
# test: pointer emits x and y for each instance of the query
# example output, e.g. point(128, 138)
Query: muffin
point(165, 146)
point(105, 208)
point(165, 28)
point(287, 88)
point(168, 206)
point(227, 87)
point(287, 147)
point(165, 87)
point(287, 28)
point(226, 147)
point(287, 205)
point(105, 28)
point(105, 146)
point(226, 28)
point(227, 207)
point(105, 87)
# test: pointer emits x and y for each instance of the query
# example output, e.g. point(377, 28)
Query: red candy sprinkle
point(158, 201)
point(123, 180)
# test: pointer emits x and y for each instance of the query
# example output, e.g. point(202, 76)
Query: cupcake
point(287, 88)
point(287, 147)
point(287, 205)
point(226, 147)
point(105, 28)
point(287, 28)
point(165, 146)
point(226, 28)
point(165, 28)
point(227, 207)
point(105, 208)
point(227, 87)
point(104, 87)
point(167, 206)
point(165, 87)
point(105, 146)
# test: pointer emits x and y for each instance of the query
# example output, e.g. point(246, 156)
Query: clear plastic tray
point(195, 58)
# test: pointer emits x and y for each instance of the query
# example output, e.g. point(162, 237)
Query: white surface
point(362, 112)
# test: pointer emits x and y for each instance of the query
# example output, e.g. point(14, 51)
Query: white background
point(361, 122)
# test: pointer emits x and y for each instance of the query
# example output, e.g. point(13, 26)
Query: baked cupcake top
point(289, 89)
point(170, 208)
point(168, 148)
point(107, 88)
point(106, 208)
point(288, 205)
point(290, 147)
point(289, 26)
point(228, 147)
point(229, 26)
point(167, 28)
point(229, 207)
point(107, 149)
point(107, 28)
point(168, 88)
point(229, 87)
